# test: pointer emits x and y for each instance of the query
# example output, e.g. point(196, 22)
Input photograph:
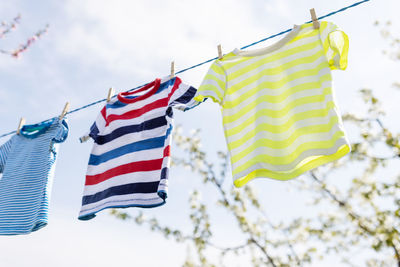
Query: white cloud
point(142, 37)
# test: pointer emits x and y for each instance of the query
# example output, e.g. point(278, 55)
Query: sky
point(93, 45)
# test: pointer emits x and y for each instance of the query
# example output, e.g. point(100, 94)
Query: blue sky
point(92, 45)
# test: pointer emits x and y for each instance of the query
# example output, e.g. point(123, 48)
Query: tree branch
point(226, 200)
point(271, 261)
point(7, 28)
point(23, 47)
point(342, 204)
point(397, 253)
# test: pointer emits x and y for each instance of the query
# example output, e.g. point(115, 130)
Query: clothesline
point(212, 59)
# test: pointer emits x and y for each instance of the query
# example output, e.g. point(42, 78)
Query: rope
point(212, 59)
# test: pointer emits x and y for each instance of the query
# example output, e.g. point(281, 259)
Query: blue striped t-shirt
point(27, 162)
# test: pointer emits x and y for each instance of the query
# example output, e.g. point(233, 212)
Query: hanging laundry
point(279, 113)
point(129, 162)
point(27, 162)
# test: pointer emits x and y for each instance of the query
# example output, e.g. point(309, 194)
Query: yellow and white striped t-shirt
point(279, 113)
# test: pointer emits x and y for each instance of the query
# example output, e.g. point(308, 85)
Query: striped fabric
point(279, 113)
point(27, 162)
point(129, 162)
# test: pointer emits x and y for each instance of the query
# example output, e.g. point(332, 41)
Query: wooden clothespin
point(314, 18)
point(219, 51)
point(65, 110)
point(21, 123)
point(172, 70)
point(84, 138)
point(111, 92)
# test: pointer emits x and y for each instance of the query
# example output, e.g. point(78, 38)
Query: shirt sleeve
point(99, 125)
point(182, 96)
point(61, 132)
point(336, 45)
point(4, 150)
point(213, 85)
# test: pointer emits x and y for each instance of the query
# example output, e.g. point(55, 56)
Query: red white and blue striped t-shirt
point(130, 158)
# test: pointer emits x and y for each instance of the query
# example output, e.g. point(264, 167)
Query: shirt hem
point(263, 173)
point(39, 225)
point(91, 215)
